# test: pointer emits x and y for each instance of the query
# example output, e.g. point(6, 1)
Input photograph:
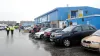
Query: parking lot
point(21, 45)
point(57, 50)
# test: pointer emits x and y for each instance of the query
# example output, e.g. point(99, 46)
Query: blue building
point(57, 17)
point(93, 20)
point(52, 18)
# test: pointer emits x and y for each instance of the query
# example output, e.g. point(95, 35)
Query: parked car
point(41, 33)
point(48, 32)
point(92, 42)
point(2, 27)
point(28, 28)
point(34, 30)
point(72, 34)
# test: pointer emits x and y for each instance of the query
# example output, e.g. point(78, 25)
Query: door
point(77, 34)
point(86, 31)
point(91, 30)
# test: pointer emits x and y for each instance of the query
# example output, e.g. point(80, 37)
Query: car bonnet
point(92, 38)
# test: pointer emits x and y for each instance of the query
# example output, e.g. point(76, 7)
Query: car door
point(53, 30)
point(91, 30)
point(76, 34)
point(86, 31)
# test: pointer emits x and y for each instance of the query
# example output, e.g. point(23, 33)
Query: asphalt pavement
point(21, 45)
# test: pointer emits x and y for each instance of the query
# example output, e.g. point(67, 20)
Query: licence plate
point(51, 39)
point(86, 45)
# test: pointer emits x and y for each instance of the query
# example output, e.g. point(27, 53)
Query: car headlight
point(82, 41)
point(36, 34)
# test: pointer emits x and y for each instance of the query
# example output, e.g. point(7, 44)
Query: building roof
point(70, 8)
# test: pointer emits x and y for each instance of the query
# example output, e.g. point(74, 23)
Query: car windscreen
point(49, 29)
point(58, 30)
point(42, 29)
point(97, 33)
point(68, 29)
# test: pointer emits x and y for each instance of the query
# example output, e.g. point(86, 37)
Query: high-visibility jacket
point(11, 28)
point(8, 28)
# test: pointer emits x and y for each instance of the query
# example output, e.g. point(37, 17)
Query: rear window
point(42, 29)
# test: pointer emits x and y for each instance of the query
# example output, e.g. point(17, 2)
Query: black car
point(72, 34)
point(49, 31)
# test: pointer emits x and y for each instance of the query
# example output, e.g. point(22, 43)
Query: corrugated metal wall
point(53, 16)
point(94, 20)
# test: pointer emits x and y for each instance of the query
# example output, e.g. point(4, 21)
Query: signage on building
point(80, 13)
point(69, 16)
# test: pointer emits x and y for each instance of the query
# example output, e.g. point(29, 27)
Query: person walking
point(12, 30)
point(7, 29)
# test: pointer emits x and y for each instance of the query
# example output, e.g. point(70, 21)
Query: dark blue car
point(72, 34)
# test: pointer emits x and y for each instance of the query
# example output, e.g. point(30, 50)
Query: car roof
point(82, 25)
point(55, 28)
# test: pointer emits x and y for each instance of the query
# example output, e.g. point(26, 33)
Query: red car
point(49, 31)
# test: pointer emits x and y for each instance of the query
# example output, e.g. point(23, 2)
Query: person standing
point(19, 28)
point(64, 26)
point(12, 30)
point(7, 29)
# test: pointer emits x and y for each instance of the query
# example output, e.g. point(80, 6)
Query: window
point(78, 29)
point(49, 29)
point(54, 25)
point(91, 28)
point(74, 14)
point(85, 28)
point(53, 30)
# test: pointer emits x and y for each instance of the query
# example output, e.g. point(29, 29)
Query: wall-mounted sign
point(69, 16)
point(80, 13)
point(74, 23)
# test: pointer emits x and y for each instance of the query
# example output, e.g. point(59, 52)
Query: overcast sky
point(29, 9)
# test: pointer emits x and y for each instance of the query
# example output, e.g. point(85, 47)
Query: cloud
point(29, 9)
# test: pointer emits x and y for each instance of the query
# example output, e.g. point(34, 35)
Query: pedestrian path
point(20, 45)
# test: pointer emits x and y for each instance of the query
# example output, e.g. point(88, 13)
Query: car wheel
point(30, 35)
point(66, 43)
point(41, 36)
point(99, 50)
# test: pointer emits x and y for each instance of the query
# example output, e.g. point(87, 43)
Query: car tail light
point(32, 31)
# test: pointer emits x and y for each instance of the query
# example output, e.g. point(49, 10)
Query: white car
point(41, 33)
point(28, 28)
